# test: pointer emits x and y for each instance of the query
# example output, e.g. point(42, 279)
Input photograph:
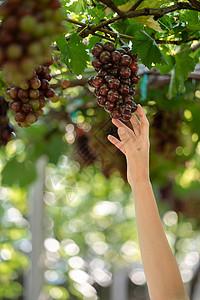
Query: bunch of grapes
point(166, 132)
point(26, 32)
point(114, 83)
point(6, 130)
point(27, 100)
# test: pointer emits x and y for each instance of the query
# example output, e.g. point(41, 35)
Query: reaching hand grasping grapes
point(115, 80)
point(135, 146)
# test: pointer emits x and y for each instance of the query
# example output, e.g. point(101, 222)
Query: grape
point(97, 82)
point(102, 73)
point(22, 94)
point(116, 78)
point(129, 99)
point(113, 96)
point(14, 92)
point(121, 51)
point(26, 107)
point(109, 46)
point(47, 77)
point(132, 91)
point(126, 81)
point(28, 101)
point(114, 83)
point(115, 114)
point(30, 119)
point(101, 100)
point(103, 90)
point(26, 33)
point(109, 106)
point(107, 66)
point(96, 50)
point(124, 89)
point(24, 85)
point(34, 94)
point(125, 72)
point(135, 79)
point(125, 109)
point(105, 57)
point(44, 84)
point(115, 56)
point(20, 117)
point(134, 67)
point(126, 60)
point(126, 117)
point(49, 93)
point(35, 104)
point(35, 83)
point(97, 92)
point(134, 107)
point(15, 106)
point(109, 77)
point(96, 63)
point(114, 71)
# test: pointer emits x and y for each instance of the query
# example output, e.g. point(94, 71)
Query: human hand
point(135, 146)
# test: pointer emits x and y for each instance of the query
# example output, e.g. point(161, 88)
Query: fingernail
point(122, 130)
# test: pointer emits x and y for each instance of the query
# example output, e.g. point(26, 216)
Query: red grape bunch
point(6, 130)
point(27, 100)
point(26, 32)
point(114, 83)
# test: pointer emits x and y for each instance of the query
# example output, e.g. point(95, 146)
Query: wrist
point(140, 184)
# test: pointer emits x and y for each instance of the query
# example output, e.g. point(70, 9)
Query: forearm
point(161, 270)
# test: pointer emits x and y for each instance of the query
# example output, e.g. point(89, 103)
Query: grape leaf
point(183, 66)
point(147, 49)
point(77, 7)
point(74, 53)
point(147, 20)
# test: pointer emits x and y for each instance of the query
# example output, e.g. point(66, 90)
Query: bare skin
point(160, 267)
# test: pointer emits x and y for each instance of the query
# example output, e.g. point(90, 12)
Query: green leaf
point(147, 49)
point(77, 7)
point(133, 27)
point(55, 148)
point(147, 20)
point(19, 173)
point(183, 66)
point(74, 53)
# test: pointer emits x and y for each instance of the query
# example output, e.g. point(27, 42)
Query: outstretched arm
point(161, 270)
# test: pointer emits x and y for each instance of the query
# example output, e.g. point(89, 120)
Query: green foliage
point(73, 52)
point(19, 173)
point(184, 64)
point(147, 49)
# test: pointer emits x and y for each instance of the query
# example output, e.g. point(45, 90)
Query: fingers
point(143, 120)
point(121, 124)
point(117, 143)
point(126, 138)
point(136, 125)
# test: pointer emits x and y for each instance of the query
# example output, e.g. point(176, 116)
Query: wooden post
point(34, 278)
point(119, 288)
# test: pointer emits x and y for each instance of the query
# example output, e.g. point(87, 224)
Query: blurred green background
point(84, 202)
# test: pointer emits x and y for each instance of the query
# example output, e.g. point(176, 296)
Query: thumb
point(126, 139)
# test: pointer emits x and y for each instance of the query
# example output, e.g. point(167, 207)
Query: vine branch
point(135, 6)
point(156, 12)
point(195, 4)
point(110, 4)
point(124, 36)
